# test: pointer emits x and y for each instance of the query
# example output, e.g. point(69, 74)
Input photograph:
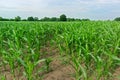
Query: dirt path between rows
point(116, 74)
point(59, 69)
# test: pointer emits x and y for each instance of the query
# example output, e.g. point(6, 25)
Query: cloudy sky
point(93, 9)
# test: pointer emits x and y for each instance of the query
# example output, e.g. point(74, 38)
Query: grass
point(91, 46)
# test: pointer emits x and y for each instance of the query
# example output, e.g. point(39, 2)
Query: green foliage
point(88, 44)
point(85, 19)
point(45, 19)
point(1, 18)
point(36, 18)
point(54, 19)
point(11, 19)
point(5, 19)
point(63, 17)
point(24, 19)
point(30, 18)
point(91, 47)
point(117, 19)
point(73, 19)
point(70, 19)
point(18, 18)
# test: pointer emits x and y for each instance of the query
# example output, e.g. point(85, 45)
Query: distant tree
point(77, 19)
point(63, 17)
point(54, 19)
point(24, 19)
point(11, 19)
point(5, 19)
point(45, 19)
point(70, 19)
point(85, 19)
point(73, 19)
point(30, 18)
point(117, 19)
point(1, 18)
point(36, 18)
point(18, 18)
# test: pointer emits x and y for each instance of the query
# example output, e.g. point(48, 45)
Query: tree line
point(117, 19)
point(31, 18)
point(61, 18)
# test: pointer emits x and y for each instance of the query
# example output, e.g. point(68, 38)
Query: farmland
point(33, 50)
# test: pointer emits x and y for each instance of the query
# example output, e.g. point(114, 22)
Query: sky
point(92, 9)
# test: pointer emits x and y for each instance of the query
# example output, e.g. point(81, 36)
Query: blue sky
point(93, 9)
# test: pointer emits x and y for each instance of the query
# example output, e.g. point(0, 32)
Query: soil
point(59, 69)
point(116, 75)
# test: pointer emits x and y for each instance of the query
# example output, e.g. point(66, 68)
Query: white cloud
point(108, 1)
point(73, 8)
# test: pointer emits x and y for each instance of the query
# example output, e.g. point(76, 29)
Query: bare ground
point(116, 74)
point(59, 70)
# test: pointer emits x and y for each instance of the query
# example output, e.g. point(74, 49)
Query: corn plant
point(91, 46)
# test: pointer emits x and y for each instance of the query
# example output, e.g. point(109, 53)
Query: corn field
point(92, 48)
